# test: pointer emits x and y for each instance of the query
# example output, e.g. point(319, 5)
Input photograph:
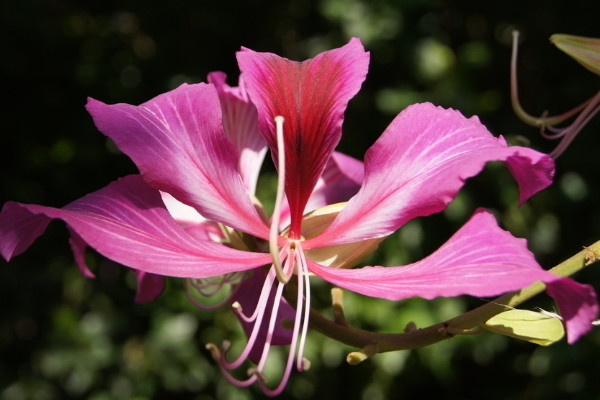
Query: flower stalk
point(343, 332)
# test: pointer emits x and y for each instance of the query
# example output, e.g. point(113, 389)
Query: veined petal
point(311, 96)
point(418, 166)
point(128, 223)
point(177, 142)
point(480, 259)
point(240, 123)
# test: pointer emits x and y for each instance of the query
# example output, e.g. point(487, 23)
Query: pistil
point(274, 231)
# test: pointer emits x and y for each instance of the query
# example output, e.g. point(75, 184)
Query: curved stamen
point(195, 302)
point(514, 95)
point(219, 357)
point(271, 328)
point(259, 313)
point(300, 303)
point(264, 294)
point(209, 287)
point(274, 231)
point(582, 119)
point(303, 275)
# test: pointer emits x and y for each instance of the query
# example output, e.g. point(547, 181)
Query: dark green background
point(65, 337)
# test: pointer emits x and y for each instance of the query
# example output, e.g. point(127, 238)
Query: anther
point(214, 351)
point(237, 307)
point(305, 364)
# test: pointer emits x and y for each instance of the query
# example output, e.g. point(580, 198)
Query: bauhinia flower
point(191, 212)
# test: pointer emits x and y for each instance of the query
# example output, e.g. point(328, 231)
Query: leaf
point(586, 51)
point(535, 327)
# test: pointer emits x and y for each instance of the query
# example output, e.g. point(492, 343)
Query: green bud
point(586, 51)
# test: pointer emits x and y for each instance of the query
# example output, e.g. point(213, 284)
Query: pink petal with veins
point(177, 142)
point(240, 123)
point(128, 223)
point(418, 166)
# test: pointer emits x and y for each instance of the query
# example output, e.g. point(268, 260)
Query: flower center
point(272, 309)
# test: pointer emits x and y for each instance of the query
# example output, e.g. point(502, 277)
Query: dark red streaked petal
point(311, 96)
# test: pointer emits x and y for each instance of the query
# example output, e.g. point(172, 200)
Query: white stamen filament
point(257, 316)
point(274, 231)
point(303, 274)
point(297, 261)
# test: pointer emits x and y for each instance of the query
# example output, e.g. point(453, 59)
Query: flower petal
point(418, 166)
point(577, 304)
point(177, 142)
point(480, 259)
point(150, 286)
point(311, 96)
point(240, 123)
point(340, 180)
point(78, 247)
point(128, 223)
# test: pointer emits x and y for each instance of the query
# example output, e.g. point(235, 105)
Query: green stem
point(412, 339)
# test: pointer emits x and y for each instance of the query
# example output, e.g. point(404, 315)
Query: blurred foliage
point(65, 337)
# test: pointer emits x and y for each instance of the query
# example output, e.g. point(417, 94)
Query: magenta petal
point(247, 294)
point(150, 286)
point(480, 260)
point(311, 96)
point(577, 304)
point(19, 228)
point(78, 247)
point(418, 166)
point(128, 223)
point(341, 179)
point(177, 142)
point(240, 122)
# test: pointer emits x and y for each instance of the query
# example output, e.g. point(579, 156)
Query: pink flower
point(199, 149)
